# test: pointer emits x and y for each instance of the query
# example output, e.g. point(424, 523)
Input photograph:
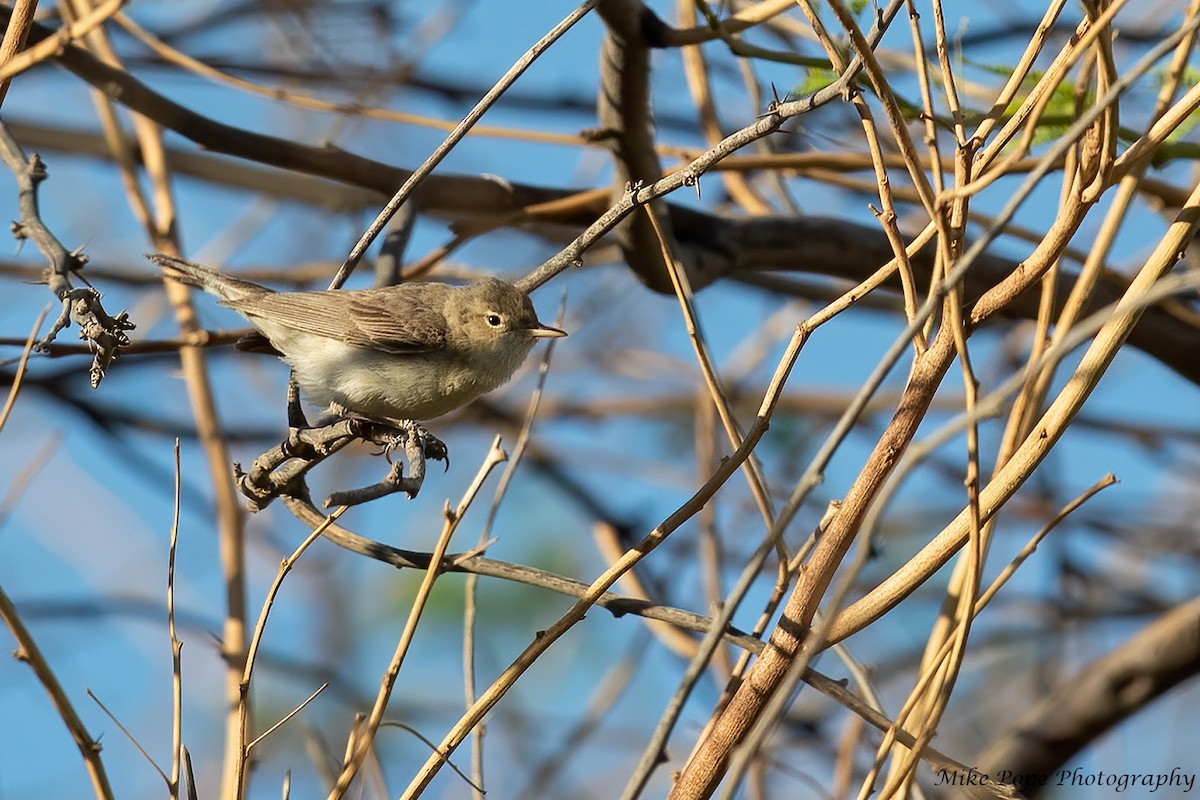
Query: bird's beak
point(546, 332)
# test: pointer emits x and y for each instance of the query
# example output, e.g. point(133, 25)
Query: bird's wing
point(376, 318)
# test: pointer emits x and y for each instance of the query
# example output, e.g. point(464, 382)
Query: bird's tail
point(211, 280)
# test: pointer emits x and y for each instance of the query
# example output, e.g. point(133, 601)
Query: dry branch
point(105, 334)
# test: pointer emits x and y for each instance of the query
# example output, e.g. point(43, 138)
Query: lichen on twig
point(104, 333)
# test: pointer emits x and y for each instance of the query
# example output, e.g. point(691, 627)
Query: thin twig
point(486, 102)
point(359, 744)
point(200, 338)
point(433, 746)
point(176, 645)
point(683, 292)
point(129, 735)
point(242, 709)
point(19, 375)
point(250, 745)
point(31, 654)
point(352, 107)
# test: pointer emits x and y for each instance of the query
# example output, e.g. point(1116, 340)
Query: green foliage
point(1191, 76)
point(815, 79)
point(1060, 111)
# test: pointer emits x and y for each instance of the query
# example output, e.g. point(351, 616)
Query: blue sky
point(83, 552)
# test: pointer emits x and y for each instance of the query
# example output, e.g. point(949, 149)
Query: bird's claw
point(418, 445)
point(282, 469)
point(432, 447)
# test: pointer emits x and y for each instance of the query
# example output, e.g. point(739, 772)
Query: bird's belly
point(380, 384)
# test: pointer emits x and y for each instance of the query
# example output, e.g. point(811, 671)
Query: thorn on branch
point(37, 170)
point(632, 188)
point(598, 135)
point(776, 103)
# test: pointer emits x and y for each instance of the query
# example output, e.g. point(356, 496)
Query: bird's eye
point(494, 320)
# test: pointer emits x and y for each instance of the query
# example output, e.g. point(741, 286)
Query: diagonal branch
point(105, 334)
point(29, 652)
point(1159, 657)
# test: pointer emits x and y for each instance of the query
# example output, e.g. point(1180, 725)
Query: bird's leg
point(294, 445)
point(296, 418)
point(392, 434)
point(404, 432)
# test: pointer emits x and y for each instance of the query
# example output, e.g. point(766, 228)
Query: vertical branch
point(241, 711)
point(471, 585)
point(160, 223)
point(176, 646)
point(720, 400)
point(887, 215)
point(696, 71)
point(626, 126)
point(964, 585)
point(14, 37)
point(230, 518)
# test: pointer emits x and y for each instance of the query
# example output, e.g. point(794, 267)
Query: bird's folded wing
point(363, 318)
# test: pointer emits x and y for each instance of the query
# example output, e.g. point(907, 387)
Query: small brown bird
point(409, 352)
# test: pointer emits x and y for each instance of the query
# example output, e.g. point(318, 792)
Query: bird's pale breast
point(381, 384)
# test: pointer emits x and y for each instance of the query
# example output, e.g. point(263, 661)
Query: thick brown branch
point(627, 127)
point(1159, 657)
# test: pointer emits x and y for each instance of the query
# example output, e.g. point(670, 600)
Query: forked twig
point(280, 471)
point(106, 334)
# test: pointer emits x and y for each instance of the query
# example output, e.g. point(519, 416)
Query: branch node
point(280, 471)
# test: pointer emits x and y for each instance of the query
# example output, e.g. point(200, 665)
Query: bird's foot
point(407, 433)
point(282, 469)
point(407, 436)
